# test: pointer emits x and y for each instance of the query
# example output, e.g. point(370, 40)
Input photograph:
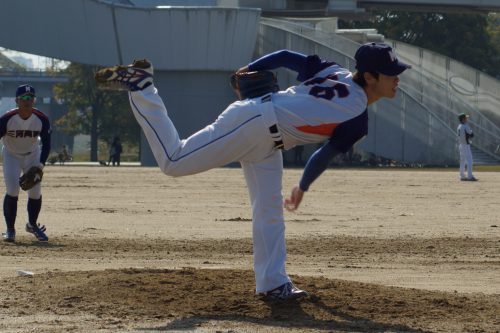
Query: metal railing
point(438, 112)
point(451, 88)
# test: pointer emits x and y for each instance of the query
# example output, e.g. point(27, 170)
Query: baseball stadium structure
point(196, 45)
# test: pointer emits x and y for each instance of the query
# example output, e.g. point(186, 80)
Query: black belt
point(278, 142)
point(275, 133)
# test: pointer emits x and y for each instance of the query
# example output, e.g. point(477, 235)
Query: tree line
point(473, 39)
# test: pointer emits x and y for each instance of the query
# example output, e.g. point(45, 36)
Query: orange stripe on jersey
point(325, 129)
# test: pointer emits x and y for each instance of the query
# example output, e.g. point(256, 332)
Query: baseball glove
point(254, 84)
point(468, 137)
point(32, 177)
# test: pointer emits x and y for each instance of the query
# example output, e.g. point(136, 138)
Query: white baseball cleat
point(286, 292)
point(136, 76)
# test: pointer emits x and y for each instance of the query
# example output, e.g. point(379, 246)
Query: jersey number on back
point(338, 89)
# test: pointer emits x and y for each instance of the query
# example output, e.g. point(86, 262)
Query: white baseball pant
point(240, 133)
point(465, 158)
point(13, 165)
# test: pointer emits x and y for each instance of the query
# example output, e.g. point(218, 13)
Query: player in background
point(464, 140)
point(22, 130)
point(328, 105)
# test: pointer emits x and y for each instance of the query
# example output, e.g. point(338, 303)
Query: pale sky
point(30, 61)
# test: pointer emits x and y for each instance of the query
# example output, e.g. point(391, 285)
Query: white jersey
point(21, 136)
point(310, 111)
point(464, 132)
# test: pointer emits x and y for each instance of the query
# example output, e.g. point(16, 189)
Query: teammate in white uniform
point(464, 140)
point(329, 105)
point(23, 130)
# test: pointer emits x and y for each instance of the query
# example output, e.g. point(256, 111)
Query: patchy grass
point(494, 168)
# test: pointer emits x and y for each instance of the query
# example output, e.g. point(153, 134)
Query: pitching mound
point(201, 299)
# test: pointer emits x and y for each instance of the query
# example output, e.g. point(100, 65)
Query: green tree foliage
point(469, 38)
point(494, 33)
point(102, 114)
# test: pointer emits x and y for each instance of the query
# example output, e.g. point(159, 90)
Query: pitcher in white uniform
point(328, 105)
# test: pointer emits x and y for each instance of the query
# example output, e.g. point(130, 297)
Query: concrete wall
point(193, 99)
point(43, 84)
point(193, 50)
point(92, 32)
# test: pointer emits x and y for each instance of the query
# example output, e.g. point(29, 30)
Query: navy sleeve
point(342, 139)
point(4, 120)
point(45, 135)
point(318, 162)
point(3, 126)
point(305, 66)
point(348, 133)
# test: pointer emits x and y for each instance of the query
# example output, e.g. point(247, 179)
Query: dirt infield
point(132, 250)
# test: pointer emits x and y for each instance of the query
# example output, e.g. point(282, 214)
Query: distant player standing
point(464, 140)
point(20, 130)
point(329, 104)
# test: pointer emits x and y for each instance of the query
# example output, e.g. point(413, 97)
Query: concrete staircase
point(481, 158)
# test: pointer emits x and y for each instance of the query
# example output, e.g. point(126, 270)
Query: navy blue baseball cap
point(25, 89)
point(379, 58)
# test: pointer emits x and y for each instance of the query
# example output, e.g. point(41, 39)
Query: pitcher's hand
point(293, 202)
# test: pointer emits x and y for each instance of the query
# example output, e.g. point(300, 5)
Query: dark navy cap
point(25, 89)
point(379, 58)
